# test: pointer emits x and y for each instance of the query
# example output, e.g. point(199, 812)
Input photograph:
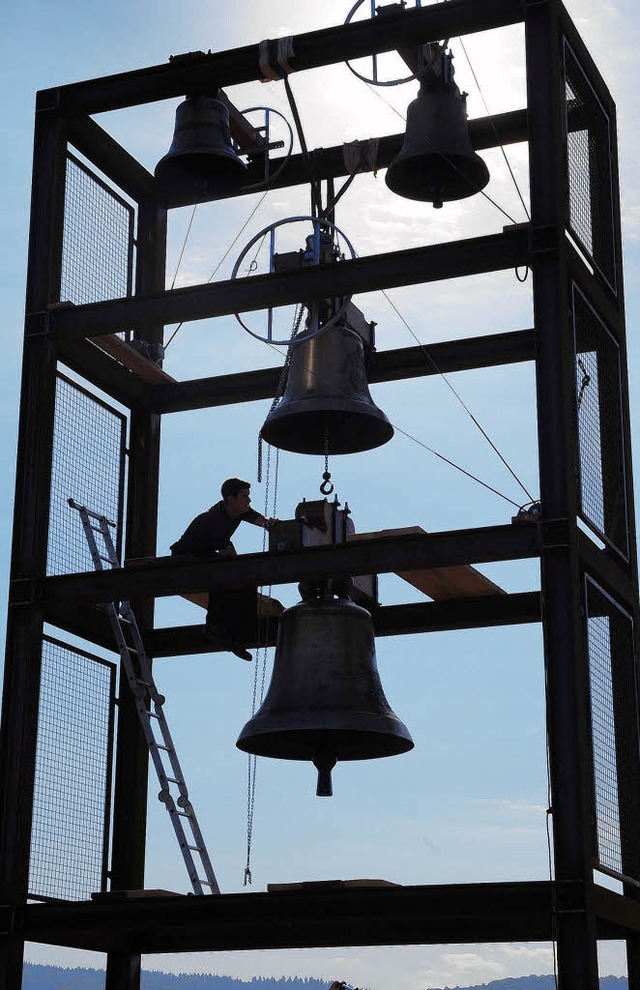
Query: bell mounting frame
point(374, 81)
point(315, 328)
point(266, 128)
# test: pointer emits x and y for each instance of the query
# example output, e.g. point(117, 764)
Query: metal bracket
point(22, 591)
point(7, 919)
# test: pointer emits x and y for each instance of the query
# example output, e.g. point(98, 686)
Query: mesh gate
point(614, 725)
point(589, 179)
point(88, 464)
point(602, 479)
point(97, 245)
point(72, 800)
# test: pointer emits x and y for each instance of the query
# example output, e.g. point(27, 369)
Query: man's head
point(237, 499)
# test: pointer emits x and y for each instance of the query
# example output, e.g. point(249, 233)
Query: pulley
point(326, 407)
point(325, 702)
point(437, 163)
point(201, 160)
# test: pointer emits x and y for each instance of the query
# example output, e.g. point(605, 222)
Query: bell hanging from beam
point(201, 161)
point(437, 163)
point(326, 407)
point(325, 702)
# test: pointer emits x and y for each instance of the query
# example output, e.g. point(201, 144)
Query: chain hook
point(326, 487)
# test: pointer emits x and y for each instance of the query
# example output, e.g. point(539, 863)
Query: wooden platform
point(439, 583)
point(266, 606)
point(132, 359)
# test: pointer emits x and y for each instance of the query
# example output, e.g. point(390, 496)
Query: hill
point(53, 978)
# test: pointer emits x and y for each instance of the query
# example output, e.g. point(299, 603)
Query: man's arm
point(257, 519)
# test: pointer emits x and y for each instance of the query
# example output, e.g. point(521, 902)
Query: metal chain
point(326, 488)
point(252, 760)
point(297, 320)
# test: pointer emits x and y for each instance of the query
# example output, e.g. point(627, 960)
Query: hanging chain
point(257, 699)
point(297, 320)
point(326, 488)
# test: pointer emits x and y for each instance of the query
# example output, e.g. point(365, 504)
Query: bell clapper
point(324, 765)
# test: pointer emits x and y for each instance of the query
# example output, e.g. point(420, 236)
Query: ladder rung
point(120, 611)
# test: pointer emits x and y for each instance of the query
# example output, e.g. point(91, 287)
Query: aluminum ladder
point(149, 703)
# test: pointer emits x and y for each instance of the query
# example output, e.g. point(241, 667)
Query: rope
point(420, 443)
point(222, 259)
point(444, 157)
point(458, 397)
point(493, 127)
point(184, 244)
point(297, 320)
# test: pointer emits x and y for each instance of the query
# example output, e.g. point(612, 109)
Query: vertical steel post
point(564, 637)
point(30, 532)
point(633, 853)
point(132, 755)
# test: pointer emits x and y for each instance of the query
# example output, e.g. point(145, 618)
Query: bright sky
point(468, 804)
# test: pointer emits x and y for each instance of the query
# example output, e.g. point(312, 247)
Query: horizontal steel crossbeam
point(174, 575)
point(382, 366)
point(325, 915)
point(472, 256)
point(204, 73)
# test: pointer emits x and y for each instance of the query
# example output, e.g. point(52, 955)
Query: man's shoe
point(239, 651)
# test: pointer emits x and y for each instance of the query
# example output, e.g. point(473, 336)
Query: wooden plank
point(266, 606)
point(461, 581)
point(132, 359)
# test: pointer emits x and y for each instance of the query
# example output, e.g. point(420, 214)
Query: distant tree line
point(38, 977)
point(55, 978)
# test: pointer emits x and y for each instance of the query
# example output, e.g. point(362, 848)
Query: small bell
point(201, 161)
point(437, 163)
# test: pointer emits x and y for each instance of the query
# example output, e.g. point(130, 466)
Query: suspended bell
point(437, 162)
point(201, 160)
point(325, 702)
point(326, 407)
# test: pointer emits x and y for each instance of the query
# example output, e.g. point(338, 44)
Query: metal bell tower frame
point(585, 538)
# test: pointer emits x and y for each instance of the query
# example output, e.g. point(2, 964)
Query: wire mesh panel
point(590, 193)
point(87, 465)
point(72, 799)
point(97, 246)
point(602, 479)
point(614, 724)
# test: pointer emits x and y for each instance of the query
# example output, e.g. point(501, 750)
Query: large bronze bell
point(325, 702)
point(326, 407)
point(437, 162)
point(201, 160)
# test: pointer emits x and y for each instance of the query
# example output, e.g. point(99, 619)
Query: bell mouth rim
point(310, 434)
point(404, 178)
point(309, 745)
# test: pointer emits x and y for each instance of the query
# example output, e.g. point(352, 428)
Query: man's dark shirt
point(210, 531)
